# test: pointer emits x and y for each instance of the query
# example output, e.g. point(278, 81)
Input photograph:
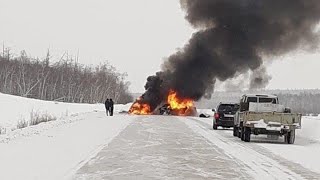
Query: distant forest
point(300, 101)
point(306, 103)
point(65, 80)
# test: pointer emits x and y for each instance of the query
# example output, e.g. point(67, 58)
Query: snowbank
point(310, 128)
point(14, 109)
point(57, 149)
point(206, 112)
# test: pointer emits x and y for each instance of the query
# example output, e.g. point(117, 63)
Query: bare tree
point(66, 80)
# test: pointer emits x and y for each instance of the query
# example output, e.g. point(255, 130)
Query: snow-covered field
point(14, 109)
point(83, 143)
point(55, 149)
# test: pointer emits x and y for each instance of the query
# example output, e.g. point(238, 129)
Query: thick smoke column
point(234, 37)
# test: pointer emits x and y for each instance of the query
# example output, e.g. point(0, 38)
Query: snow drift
point(14, 109)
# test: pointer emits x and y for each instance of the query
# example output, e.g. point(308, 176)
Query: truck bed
point(271, 118)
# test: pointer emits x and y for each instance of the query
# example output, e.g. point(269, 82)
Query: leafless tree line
point(66, 80)
point(306, 103)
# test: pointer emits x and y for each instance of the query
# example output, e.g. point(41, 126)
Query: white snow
point(58, 152)
point(258, 124)
point(310, 128)
point(271, 126)
point(14, 109)
point(206, 112)
point(56, 149)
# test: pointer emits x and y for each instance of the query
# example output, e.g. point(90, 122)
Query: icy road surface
point(166, 147)
point(90, 145)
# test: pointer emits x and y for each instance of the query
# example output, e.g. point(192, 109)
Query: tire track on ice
point(160, 147)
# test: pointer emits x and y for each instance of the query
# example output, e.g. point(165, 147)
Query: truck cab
point(247, 99)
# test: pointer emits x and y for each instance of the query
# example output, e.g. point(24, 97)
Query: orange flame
point(180, 106)
point(140, 108)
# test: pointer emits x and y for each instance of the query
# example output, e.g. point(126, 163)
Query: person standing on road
point(107, 105)
point(111, 105)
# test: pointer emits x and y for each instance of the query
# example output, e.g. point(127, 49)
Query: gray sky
point(134, 36)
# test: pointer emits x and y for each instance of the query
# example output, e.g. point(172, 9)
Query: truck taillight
point(216, 116)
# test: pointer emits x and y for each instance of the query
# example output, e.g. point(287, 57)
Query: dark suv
point(224, 115)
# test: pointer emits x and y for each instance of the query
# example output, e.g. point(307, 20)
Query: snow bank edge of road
point(15, 109)
point(58, 152)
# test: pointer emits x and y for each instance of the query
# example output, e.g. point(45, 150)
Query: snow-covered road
point(160, 147)
point(164, 147)
point(91, 145)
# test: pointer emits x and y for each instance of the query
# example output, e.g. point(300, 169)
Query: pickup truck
point(262, 114)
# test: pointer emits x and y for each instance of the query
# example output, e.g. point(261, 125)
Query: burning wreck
point(233, 38)
point(174, 105)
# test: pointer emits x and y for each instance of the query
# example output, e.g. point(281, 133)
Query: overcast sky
point(134, 36)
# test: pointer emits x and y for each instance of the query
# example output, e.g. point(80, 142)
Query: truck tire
point(290, 137)
point(235, 131)
point(215, 127)
point(241, 131)
point(238, 132)
point(247, 134)
point(242, 134)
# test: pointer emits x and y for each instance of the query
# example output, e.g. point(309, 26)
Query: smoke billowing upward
point(259, 78)
point(234, 36)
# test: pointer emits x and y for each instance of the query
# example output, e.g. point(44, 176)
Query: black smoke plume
point(234, 36)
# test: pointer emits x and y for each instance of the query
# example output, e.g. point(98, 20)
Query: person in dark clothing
point(111, 104)
point(107, 105)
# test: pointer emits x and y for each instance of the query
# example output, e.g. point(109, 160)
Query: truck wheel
point(290, 137)
point(215, 127)
point(247, 134)
point(241, 131)
point(235, 131)
point(286, 138)
point(238, 132)
point(242, 134)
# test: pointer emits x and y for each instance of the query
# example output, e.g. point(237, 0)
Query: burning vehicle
point(174, 105)
point(140, 108)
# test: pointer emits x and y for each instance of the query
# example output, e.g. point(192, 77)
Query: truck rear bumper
point(257, 131)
